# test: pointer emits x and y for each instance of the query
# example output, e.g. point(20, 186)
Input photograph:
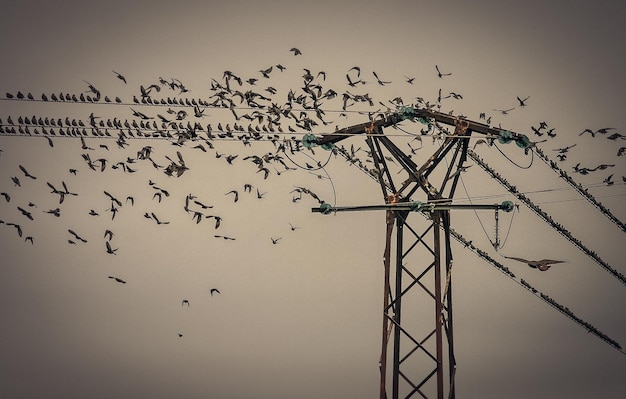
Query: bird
point(380, 82)
point(236, 194)
point(275, 240)
point(214, 291)
point(440, 74)
point(113, 199)
point(564, 150)
point(56, 212)
point(25, 213)
point(504, 111)
point(185, 302)
point(76, 235)
point(120, 77)
point(119, 280)
point(157, 220)
point(109, 249)
point(108, 233)
point(26, 173)
point(224, 237)
point(522, 102)
point(295, 51)
point(543, 264)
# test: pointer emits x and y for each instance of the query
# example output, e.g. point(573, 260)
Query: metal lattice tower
point(417, 304)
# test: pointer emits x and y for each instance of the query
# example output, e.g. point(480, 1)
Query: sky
point(300, 317)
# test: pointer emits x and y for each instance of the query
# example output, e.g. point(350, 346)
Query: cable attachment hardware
point(309, 141)
point(416, 206)
point(407, 113)
point(507, 206)
point(325, 208)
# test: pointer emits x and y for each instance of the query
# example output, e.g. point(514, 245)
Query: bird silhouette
point(109, 249)
point(522, 102)
point(120, 77)
point(26, 173)
point(295, 51)
point(441, 74)
point(236, 193)
point(214, 291)
point(185, 302)
point(543, 264)
point(119, 280)
point(76, 235)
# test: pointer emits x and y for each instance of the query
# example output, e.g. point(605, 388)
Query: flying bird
point(119, 280)
point(543, 264)
point(234, 192)
point(109, 249)
point(504, 111)
point(26, 173)
point(120, 77)
point(522, 102)
point(214, 291)
point(440, 74)
point(76, 235)
point(296, 51)
point(380, 82)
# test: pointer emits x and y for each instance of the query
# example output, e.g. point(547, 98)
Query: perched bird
point(543, 264)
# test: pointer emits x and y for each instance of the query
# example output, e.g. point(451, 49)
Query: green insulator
point(522, 141)
point(327, 146)
point(309, 141)
point(325, 208)
point(423, 121)
point(407, 112)
point(507, 206)
point(505, 137)
point(416, 206)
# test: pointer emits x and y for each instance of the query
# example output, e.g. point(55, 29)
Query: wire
point(513, 162)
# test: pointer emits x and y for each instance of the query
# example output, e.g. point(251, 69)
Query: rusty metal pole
point(398, 305)
point(438, 304)
point(386, 293)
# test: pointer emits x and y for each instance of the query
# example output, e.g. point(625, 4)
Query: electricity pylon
point(418, 260)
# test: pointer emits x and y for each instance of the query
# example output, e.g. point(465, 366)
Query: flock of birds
point(165, 109)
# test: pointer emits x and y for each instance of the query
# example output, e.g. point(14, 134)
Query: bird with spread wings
point(543, 264)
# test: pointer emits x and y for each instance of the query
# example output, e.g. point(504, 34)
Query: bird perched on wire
point(543, 264)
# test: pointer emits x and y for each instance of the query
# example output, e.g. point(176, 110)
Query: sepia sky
point(299, 308)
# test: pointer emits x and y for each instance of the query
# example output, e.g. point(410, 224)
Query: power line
point(547, 218)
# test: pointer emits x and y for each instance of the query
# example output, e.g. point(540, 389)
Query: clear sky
point(301, 317)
